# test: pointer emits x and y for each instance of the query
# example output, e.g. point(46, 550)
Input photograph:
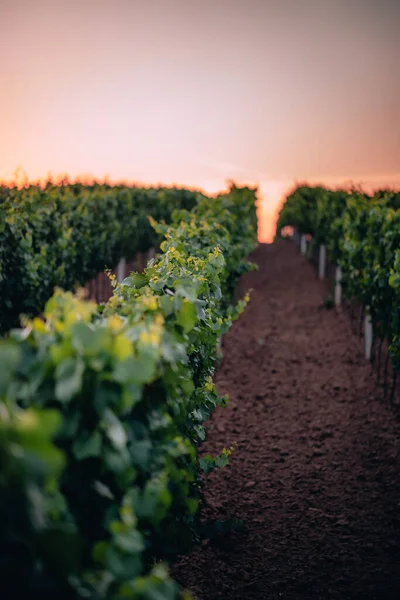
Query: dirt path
point(316, 476)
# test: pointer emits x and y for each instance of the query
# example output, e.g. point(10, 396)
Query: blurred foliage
point(63, 235)
point(362, 235)
point(102, 411)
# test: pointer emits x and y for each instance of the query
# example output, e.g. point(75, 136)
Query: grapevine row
point(63, 235)
point(361, 234)
point(102, 411)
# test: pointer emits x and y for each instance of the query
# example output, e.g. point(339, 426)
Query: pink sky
point(263, 91)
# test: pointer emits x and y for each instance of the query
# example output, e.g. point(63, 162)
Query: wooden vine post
point(322, 262)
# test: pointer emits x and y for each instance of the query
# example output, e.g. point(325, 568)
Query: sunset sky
point(196, 92)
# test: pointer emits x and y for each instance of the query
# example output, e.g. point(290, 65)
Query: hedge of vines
point(63, 235)
point(102, 411)
point(362, 235)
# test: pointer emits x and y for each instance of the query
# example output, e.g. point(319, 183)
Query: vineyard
point(211, 430)
point(103, 406)
point(64, 235)
point(361, 235)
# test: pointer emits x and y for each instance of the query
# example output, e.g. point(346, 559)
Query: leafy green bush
point(127, 388)
point(300, 209)
point(64, 235)
point(362, 236)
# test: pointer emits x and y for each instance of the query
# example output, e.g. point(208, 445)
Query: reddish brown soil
point(316, 476)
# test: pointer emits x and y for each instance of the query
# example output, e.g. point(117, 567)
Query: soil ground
point(316, 474)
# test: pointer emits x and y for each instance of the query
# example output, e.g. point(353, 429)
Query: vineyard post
point(141, 261)
point(121, 270)
point(97, 288)
point(338, 286)
point(368, 334)
point(322, 261)
point(219, 347)
point(303, 244)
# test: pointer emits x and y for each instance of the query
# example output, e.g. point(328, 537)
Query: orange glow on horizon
point(200, 93)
